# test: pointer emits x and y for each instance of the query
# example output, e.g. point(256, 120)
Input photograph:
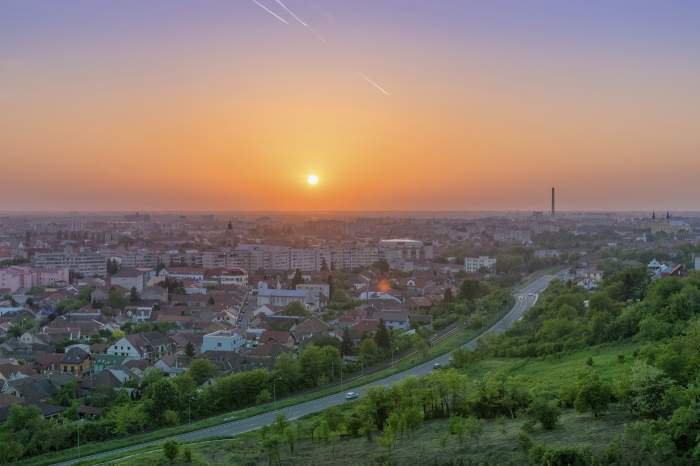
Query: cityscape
point(295, 232)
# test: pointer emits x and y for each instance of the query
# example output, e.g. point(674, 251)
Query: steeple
point(653, 215)
point(668, 215)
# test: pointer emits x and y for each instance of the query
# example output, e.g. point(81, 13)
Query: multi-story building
point(85, 263)
point(474, 264)
point(223, 340)
point(130, 278)
point(16, 277)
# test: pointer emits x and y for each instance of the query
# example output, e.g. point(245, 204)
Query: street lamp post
point(189, 410)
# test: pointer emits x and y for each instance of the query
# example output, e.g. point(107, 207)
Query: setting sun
point(312, 180)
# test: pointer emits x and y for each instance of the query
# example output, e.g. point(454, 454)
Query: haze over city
point(392, 105)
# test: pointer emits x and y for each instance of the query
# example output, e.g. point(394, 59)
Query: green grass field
point(557, 370)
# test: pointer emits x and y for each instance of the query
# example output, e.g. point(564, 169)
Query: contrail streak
point(376, 86)
point(291, 13)
point(270, 11)
point(300, 21)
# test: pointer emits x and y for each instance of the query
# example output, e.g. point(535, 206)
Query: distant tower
point(552, 201)
point(653, 215)
point(668, 215)
point(229, 235)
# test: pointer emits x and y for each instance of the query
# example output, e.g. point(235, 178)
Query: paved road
point(525, 298)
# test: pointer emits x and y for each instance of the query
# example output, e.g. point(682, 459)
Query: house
point(394, 320)
point(318, 289)
point(48, 362)
point(155, 293)
point(234, 276)
point(181, 341)
point(277, 297)
point(113, 377)
point(223, 340)
point(47, 410)
point(36, 388)
point(130, 279)
point(76, 361)
point(276, 336)
point(9, 372)
point(147, 346)
point(30, 338)
point(170, 365)
point(378, 296)
point(309, 329)
point(99, 295)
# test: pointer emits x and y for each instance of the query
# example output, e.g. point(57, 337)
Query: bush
point(547, 412)
point(524, 441)
point(170, 450)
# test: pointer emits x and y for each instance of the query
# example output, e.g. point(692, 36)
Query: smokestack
point(552, 201)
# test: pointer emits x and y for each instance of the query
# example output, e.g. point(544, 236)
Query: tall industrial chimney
point(552, 201)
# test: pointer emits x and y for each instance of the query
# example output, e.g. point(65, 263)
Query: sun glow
point(312, 180)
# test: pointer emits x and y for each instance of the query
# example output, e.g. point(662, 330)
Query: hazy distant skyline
point(394, 105)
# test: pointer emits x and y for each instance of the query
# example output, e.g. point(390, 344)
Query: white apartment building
point(16, 277)
point(547, 253)
point(474, 264)
point(223, 340)
point(306, 260)
point(85, 263)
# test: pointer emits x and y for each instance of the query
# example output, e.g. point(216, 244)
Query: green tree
point(593, 394)
point(287, 372)
point(296, 309)
point(545, 411)
point(128, 418)
point(117, 299)
point(202, 370)
point(346, 345)
point(290, 437)
point(382, 337)
point(298, 279)
point(471, 289)
point(368, 351)
point(189, 349)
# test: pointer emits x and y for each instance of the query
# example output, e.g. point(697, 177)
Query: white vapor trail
point(374, 84)
point(300, 21)
point(291, 13)
point(270, 11)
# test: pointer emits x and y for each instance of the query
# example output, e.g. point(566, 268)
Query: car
point(437, 365)
point(351, 395)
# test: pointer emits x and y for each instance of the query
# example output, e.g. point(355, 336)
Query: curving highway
point(525, 298)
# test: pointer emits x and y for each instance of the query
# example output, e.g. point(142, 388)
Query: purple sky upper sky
point(393, 104)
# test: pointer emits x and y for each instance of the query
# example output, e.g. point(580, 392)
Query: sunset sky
point(393, 104)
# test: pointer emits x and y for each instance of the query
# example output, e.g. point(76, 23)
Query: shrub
point(170, 450)
point(547, 412)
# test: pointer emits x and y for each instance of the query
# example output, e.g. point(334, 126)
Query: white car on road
point(351, 395)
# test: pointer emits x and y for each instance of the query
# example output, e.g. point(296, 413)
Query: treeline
point(476, 302)
point(389, 416)
point(627, 306)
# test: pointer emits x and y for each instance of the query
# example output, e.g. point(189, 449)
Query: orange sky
point(237, 119)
